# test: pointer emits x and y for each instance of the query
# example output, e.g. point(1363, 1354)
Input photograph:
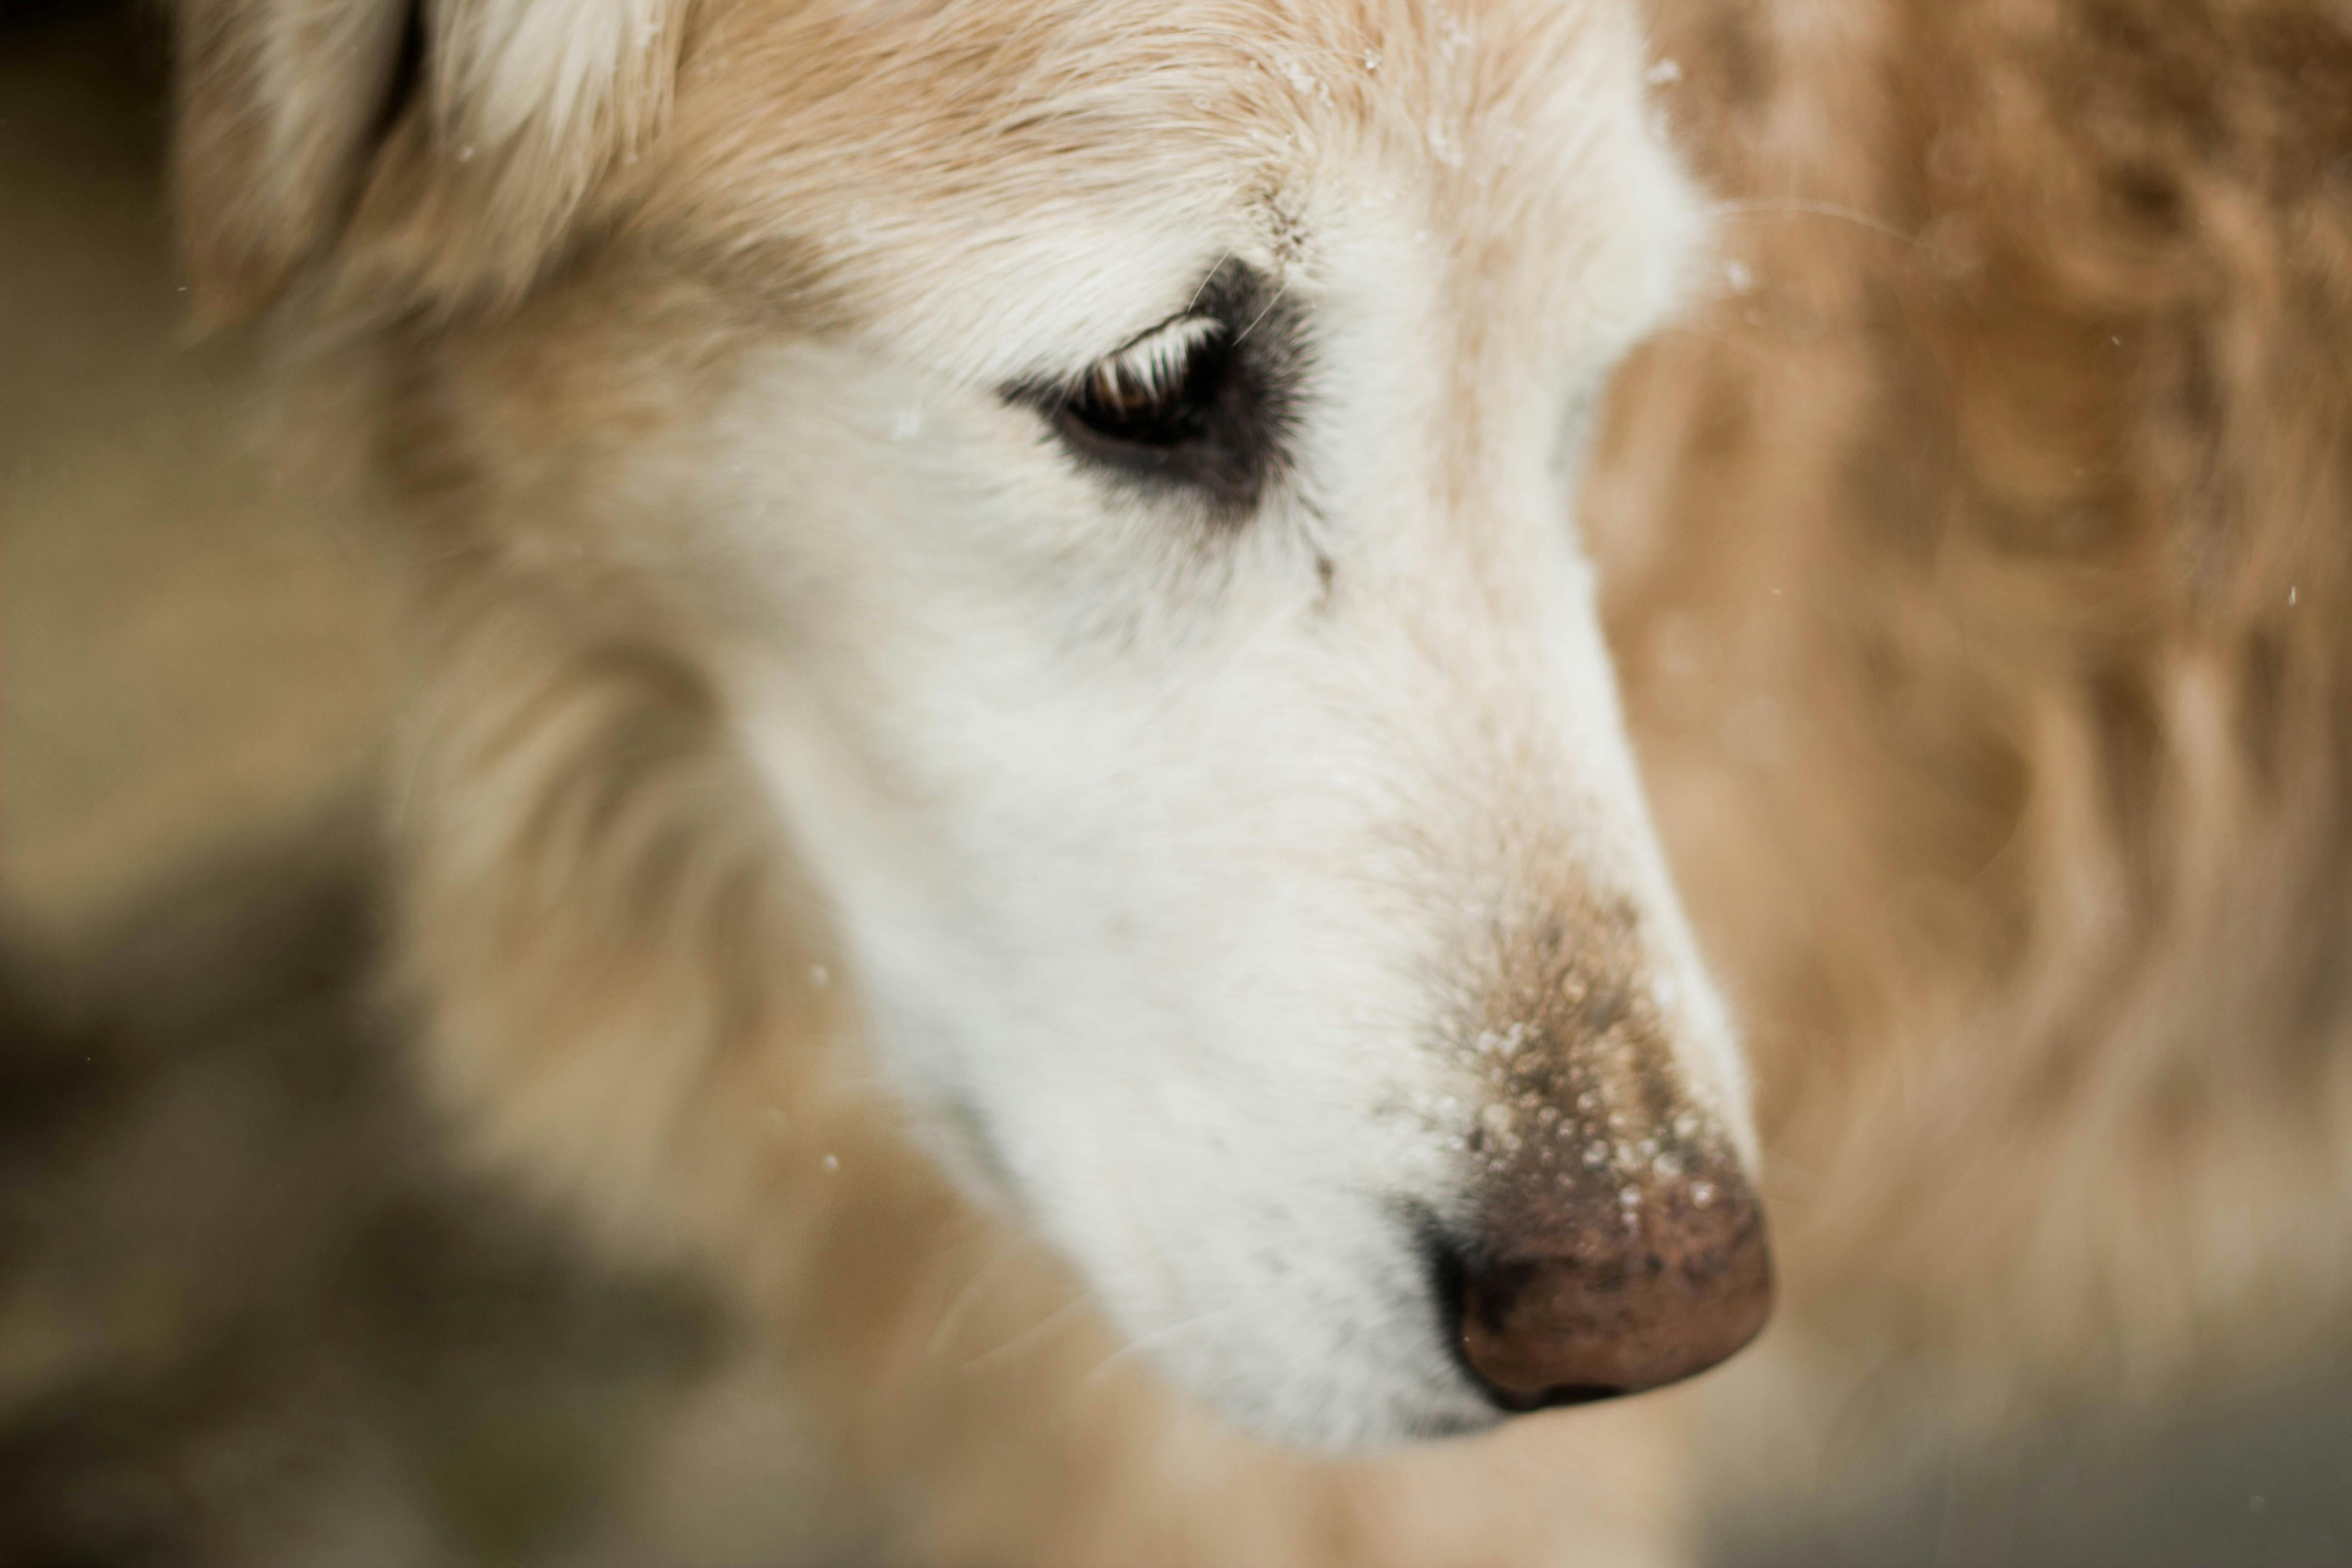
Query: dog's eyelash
point(1150, 371)
point(1155, 396)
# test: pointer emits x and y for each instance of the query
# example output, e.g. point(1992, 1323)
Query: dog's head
point(1108, 469)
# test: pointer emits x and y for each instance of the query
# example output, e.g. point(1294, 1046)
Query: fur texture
point(1970, 567)
point(1977, 564)
point(816, 761)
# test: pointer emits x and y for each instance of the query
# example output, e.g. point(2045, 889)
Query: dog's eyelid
point(1151, 363)
point(1168, 342)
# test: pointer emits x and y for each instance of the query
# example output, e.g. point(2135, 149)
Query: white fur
point(1148, 860)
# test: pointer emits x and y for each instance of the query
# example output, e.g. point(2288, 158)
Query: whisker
point(1208, 277)
point(1026, 1337)
point(1798, 207)
point(1158, 1336)
point(1272, 300)
point(970, 1292)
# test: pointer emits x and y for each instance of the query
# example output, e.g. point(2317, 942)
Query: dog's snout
point(1611, 1292)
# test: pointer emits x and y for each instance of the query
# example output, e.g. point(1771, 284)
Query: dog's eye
point(1199, 409)
point(1158, 391)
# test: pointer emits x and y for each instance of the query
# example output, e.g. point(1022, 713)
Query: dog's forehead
point(1003, 186)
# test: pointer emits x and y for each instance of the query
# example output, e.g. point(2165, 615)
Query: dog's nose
point(1621, 1291)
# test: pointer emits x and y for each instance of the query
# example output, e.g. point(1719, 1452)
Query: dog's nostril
point(1573, 1304)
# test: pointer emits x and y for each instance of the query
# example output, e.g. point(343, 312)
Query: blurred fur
point(1978, 569)
point(626, 986)
point(1975, 568)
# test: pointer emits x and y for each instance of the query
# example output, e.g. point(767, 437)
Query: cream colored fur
point(1008, 931)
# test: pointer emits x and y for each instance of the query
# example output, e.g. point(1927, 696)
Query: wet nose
point(1624, 1290)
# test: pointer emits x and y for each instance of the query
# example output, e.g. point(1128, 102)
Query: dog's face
point(1185, 682)
point(1129, 511)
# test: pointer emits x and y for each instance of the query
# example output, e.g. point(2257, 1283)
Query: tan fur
point(1979, 577)
point(472, 194)
point(270, 140)
point(1951, 568)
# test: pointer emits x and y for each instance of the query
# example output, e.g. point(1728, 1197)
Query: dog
point(1013, 746)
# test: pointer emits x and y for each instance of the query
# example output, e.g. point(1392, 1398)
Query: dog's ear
point(444, 149)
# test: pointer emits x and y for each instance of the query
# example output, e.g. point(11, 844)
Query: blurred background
point(251, 1312)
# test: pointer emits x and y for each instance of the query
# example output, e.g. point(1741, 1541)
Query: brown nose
point(1636, 1288)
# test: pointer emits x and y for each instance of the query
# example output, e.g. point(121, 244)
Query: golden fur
point(1974, 565)
point(1978, 572)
